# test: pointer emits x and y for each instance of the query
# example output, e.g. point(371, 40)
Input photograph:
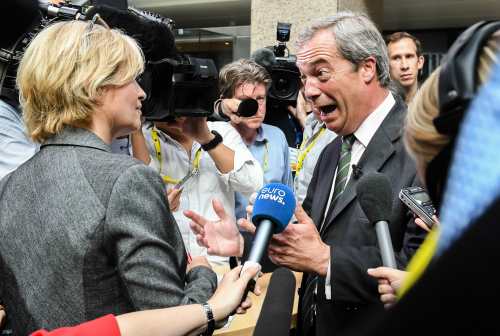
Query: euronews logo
point(273, 194)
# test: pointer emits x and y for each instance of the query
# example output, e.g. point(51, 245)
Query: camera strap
point(158, 155)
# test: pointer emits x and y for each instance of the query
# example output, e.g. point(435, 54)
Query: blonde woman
point(86, 233)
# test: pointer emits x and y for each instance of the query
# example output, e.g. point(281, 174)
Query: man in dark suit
point(345, 70)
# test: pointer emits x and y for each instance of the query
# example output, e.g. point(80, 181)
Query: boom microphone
point(276, 315)
point(156, 38)
point(375, 197)
point(272, 212)
point(265, 58)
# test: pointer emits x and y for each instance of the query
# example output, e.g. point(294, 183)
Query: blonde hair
point(239, 72)
point(422, 140)
point(65, 71)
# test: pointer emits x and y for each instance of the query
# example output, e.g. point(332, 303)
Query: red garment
point(104, 326)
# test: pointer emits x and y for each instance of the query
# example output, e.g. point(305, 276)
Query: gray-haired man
point(345, 69)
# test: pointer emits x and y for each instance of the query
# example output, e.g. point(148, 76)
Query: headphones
point(458, 81)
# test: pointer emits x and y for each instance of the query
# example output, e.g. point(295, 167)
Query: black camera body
point(285, 74)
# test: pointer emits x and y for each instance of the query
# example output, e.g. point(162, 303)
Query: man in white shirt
point(222, 170)
point(345, 70)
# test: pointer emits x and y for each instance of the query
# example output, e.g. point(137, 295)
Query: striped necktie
point(340, 183)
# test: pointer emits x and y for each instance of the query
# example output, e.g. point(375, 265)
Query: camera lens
point(283, 86)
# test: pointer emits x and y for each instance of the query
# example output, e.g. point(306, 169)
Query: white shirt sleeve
point(247, 176)
point(328, 286)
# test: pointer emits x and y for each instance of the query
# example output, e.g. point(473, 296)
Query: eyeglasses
point(96, 19)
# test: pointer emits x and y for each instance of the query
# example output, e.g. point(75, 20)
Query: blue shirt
point(278, 169)
point(15, 146)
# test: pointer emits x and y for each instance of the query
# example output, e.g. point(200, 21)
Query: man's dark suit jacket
point(352, 239)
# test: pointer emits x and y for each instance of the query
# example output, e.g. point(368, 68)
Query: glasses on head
point(96, 19)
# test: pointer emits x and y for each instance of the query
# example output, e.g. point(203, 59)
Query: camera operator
point(246, 79)
point(224, 164)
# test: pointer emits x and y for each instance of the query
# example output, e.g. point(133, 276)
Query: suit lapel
point(325, 181)
point(375, 155)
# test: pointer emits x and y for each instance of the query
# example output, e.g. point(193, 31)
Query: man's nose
point(311, 91)
point(404, 63)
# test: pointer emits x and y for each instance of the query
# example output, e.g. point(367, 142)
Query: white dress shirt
point(363, 135)
point(208, 183)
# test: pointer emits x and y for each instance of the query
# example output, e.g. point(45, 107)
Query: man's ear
point(421, 61)
point(221, 97)
point(369, 68)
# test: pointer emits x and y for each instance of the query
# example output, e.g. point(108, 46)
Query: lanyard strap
point(158, 155)
point(265, 158)
point(301, 157)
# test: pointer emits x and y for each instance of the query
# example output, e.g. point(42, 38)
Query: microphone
point(251, 202)
point(265, 58)
point(248, 108)
point(276, 314)
point(356, 171)
point(273, 210)
point(155, 38)
point(374, 193)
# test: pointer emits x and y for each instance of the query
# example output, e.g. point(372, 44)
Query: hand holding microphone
point(236, 109)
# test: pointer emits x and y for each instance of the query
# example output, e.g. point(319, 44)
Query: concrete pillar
point(266, 14)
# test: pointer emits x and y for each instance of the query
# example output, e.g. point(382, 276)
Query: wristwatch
point(212, 143)
point(210, 319)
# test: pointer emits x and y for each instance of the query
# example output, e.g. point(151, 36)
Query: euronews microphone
point(272, 211)
point(275, 316)
point(374, 194)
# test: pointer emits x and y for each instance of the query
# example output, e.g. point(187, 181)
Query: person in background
point(189, 320)
point(85, 231)
point(223, 162)
point(316, 137)
point(405, 60)
point(246, 79)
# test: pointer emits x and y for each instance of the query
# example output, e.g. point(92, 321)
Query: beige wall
point(267, 13)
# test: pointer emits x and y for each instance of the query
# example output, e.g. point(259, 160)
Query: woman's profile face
point(123, 106)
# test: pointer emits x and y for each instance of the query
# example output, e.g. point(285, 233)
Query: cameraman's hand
point(300, 112)
point(174, 199)
point(195, 128)
point(228, 295)
point(230, 107)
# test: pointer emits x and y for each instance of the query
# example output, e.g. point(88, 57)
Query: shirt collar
point(77, 136)
point(367, 129)
point(261, 137)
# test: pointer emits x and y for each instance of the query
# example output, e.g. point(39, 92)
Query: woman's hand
point(174, 199)
point(228, 295)
point(389, 282)
point(3, 315)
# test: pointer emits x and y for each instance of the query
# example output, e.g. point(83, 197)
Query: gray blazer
point(85, 233)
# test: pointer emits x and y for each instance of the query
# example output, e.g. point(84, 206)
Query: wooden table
point(243, 325)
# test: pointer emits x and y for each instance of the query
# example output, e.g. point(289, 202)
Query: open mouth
point(327, 110)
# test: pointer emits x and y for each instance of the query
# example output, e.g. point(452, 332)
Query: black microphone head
point(265, 58)
point(155, 38)
point(276, 315)
point(248, 108)
point(374, 193)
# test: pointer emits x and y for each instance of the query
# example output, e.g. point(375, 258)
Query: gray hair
point(356, 38)
point(239, 72)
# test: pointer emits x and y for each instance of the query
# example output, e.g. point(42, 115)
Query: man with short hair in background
point(246, 79)
point(405, 60)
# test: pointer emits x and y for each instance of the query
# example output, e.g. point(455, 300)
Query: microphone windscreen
point(276, 315)
point(275, 202)
point(155, 38)
point(374, 194)
point(248, 108)
point(253, 198)
point(265, 58)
